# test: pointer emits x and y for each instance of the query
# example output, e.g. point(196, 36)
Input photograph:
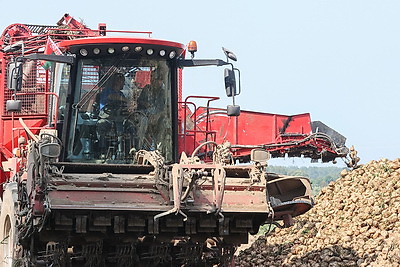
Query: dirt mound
point(355, 222)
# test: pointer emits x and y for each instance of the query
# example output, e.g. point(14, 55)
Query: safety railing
point(195, 132)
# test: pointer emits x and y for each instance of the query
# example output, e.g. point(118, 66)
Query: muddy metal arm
point(281, 135)
point(323, 143)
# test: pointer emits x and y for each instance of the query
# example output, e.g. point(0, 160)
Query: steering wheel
point(113, 108)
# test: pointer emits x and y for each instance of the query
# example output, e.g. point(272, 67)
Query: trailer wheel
point(7, 225)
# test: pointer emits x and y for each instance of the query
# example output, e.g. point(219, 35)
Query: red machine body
point(104, 164)
point(280, 134)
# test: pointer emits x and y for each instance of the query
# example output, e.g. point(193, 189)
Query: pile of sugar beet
point(355, 222)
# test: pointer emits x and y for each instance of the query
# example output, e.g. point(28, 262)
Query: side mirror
point(50, 150)
point(230, 82)
point(14, 77)
point(13, 105)
point(233, 110)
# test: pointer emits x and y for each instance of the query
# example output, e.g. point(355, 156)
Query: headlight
point(150, 51)
point(96, 51)
point(172, 54)
point(83, 52)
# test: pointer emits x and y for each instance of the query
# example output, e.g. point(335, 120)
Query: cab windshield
point(120, 107)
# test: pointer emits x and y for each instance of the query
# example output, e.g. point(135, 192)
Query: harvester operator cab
point(120, 109)
point(109, 103)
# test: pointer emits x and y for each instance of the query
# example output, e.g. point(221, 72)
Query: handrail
point(196, 131)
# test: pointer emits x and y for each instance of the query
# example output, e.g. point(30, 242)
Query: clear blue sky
point(338, 60)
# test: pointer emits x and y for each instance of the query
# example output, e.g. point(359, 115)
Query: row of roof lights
point(138, 49)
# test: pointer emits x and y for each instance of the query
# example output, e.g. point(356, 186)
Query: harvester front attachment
point(190, 212)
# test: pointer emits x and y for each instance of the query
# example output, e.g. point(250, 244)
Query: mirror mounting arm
point(56, 58)
point(240, 87)
point(201, 62)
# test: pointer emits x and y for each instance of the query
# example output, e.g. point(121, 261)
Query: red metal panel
point(254, 128)
point(107, 40)
point(106, 200)
point(3, 175)
point(7, 136)
point(234, 201)
point(35, 81)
